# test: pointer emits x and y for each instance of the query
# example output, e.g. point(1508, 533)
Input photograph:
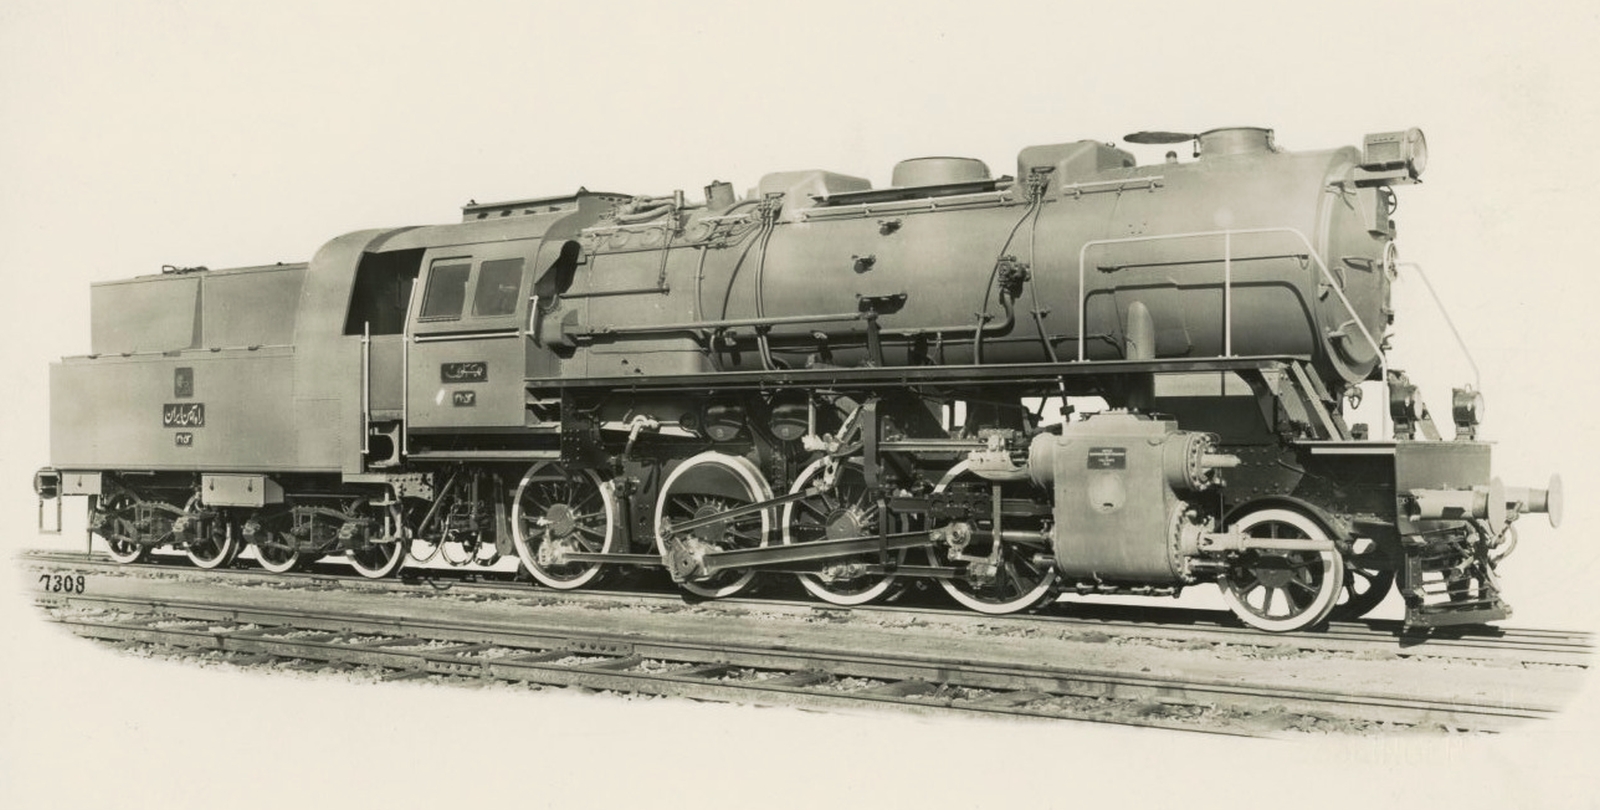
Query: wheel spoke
point(744, 484)
point(1012, 590)
point(571, 509)
point(1310, 582)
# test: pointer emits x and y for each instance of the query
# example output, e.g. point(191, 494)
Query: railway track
point(814, 676)
point(1506, 645)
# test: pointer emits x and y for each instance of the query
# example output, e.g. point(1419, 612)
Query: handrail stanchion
point(1227, 294)
point(366, 385)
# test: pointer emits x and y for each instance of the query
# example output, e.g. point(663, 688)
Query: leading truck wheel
point(558, 510)
point(1282, 590)
point(1365, 587)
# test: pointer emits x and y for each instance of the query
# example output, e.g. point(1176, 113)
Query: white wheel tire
point(230, 545)
point(809, 581)
point(137, 552)
point(278, 567)
point(529, 555)
point(230, 549)
point(135, 555)
point(1031, 598)
point(382, 571)
point(1325, 599)
point(396, 549)
point(755, 485)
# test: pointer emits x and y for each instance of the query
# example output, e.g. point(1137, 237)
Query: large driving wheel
point(846, 510)
point(1282, 590)
point(557, 510)
point(703, 486)
point(1017, 583)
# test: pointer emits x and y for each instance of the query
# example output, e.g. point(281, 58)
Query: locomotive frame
point(553, 378)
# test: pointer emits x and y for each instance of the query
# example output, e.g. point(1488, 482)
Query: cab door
point(467, 351)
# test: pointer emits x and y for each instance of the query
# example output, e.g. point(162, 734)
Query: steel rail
point(1508, 644)
point(565, 656)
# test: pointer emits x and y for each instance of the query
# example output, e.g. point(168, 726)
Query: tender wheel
point(216, 542)
point(557, 510)
point(847, 510)
point(113, 521)
point(705, 485)
point(1280, 590)
point(1366, 584)
point(277, 559)
point(1017, 583)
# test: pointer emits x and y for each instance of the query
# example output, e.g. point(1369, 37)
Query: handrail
point(366, 384)
point(1227, 292)
point(1477, 377)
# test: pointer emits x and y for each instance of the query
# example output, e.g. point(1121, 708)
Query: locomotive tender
point(859, 387)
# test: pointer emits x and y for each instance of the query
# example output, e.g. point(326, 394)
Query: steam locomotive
point(1089, 377)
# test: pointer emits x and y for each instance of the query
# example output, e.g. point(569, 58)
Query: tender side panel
point(227, 410)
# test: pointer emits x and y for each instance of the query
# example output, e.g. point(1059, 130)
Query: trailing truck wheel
point(380, 560)
point(558, 510)
point(1282, 590)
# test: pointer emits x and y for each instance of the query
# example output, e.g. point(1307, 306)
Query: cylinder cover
point(1116, 508)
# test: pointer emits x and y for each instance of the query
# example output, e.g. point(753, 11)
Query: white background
point(137, 134)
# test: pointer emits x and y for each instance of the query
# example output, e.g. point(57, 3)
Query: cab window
point(499, 282)
point(447, 290)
